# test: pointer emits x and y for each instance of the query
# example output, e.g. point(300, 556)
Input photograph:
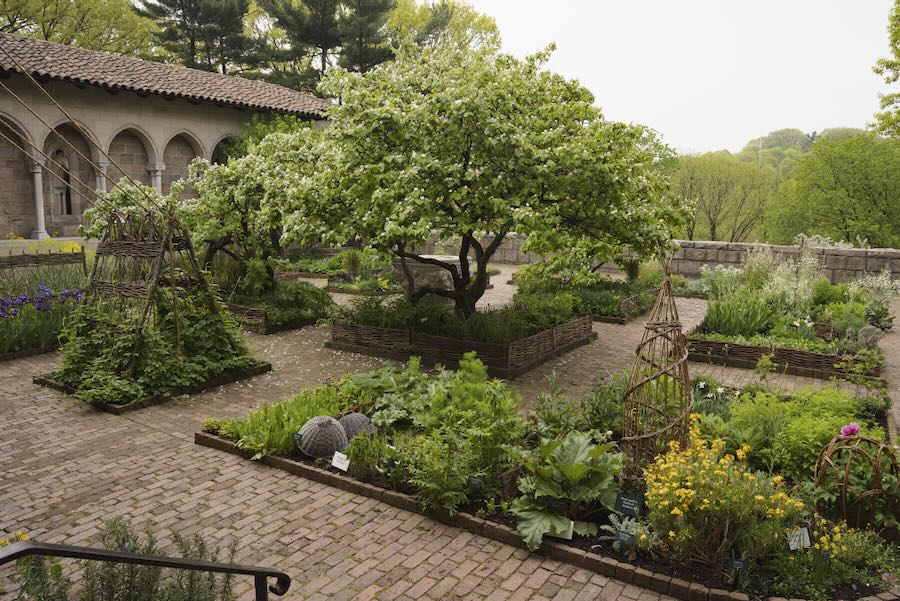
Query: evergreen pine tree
point(364, 39)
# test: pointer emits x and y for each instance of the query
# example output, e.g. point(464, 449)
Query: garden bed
point(493, 527)
point(788, 360)
point(256, 320)
point(225, 378)
point(505, 360)
point(28, 353)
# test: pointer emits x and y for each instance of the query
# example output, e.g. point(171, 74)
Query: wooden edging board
point(221, 379)
point(601, 564)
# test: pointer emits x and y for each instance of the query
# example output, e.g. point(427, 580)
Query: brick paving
point(64, 468)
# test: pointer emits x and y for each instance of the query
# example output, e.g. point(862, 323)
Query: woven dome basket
point(356, 423)
point(321, 437)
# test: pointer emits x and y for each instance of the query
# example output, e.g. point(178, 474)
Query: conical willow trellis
point(658, 400)
point(143, 253)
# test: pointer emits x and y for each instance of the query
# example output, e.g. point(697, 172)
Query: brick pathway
point(64, 468)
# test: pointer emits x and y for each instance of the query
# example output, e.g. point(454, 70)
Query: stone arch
point(133, 153)
point(82, 132)
point(68, 179)
point(16, 201)
point(219, 152)
point(181, 149)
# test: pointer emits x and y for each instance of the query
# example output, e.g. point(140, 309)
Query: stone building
point(151, 119)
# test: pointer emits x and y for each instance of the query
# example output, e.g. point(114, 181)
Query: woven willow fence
point(658, 400)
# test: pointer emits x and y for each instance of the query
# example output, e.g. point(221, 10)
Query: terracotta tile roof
point(112, 71)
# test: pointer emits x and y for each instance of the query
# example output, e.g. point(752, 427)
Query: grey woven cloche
point(321, 437)
point(356, 423)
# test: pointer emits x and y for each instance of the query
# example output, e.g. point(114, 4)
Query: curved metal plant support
point(861, 472)
point(659, 399)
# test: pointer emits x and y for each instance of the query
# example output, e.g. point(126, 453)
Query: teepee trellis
point(658, 400)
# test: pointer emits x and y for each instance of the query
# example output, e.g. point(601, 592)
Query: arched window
point(62, 188)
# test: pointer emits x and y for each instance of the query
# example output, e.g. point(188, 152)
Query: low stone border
point(606, 566)
point(27, 353)
point(221, 379)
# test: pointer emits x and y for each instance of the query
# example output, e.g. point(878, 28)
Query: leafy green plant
point(839, 555)
point(438, 465)
point(351, 261)
point(566, 480)
point(644, 539)
point(182, 347)
point(738, 317)
point(271, 428)
point(291, 303)
point(878, 314)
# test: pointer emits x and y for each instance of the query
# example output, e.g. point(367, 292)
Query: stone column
point(156, 171)
point(102, 166)
point(37, 194)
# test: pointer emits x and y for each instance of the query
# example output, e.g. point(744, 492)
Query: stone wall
point(840, 264)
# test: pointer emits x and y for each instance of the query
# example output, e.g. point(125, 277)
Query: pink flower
point(851, 429)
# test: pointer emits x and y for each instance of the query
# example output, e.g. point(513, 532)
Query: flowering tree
point(237, 207)
point(473, 145)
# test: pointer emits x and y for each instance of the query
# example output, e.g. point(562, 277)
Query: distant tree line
point(290, 42)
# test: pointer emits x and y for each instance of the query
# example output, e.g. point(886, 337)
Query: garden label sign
point(627, 505)
point(799, 539)
point(628, 540)
point(340, 461)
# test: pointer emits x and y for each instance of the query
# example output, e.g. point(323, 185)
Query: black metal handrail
point(260, 575)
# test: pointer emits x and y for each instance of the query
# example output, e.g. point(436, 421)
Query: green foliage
point(839, 556)
point(740, 317)
point(201, 34)
point(238, 206)
point(569, 478)
point(439, 468)
point(786, 433)
point(528, 314)
point(182, 346)
point(555, 415)
point(425, 145)
point(257, 127)
point(294, 303)
point(728, 195)
point(887, 122)
point(270, 429)
point(43, 580)
point(843, 188)
point(106, 25)
point(603, 297)
point(351, 260)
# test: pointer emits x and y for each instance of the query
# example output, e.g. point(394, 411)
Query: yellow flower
point(676, 511)
point(671, 534)
point(759, 498)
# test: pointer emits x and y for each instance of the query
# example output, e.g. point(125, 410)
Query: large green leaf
point(534, 522)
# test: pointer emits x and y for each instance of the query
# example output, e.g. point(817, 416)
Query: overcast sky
point(711, 74)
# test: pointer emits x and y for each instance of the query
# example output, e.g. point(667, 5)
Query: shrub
point(758, 267)
point(712, 506)
point(43, 580)
point(839, 555)
point(528, 315)
point(570, 478)
point(295, 303)
point(351, 261)
point(721, 282)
